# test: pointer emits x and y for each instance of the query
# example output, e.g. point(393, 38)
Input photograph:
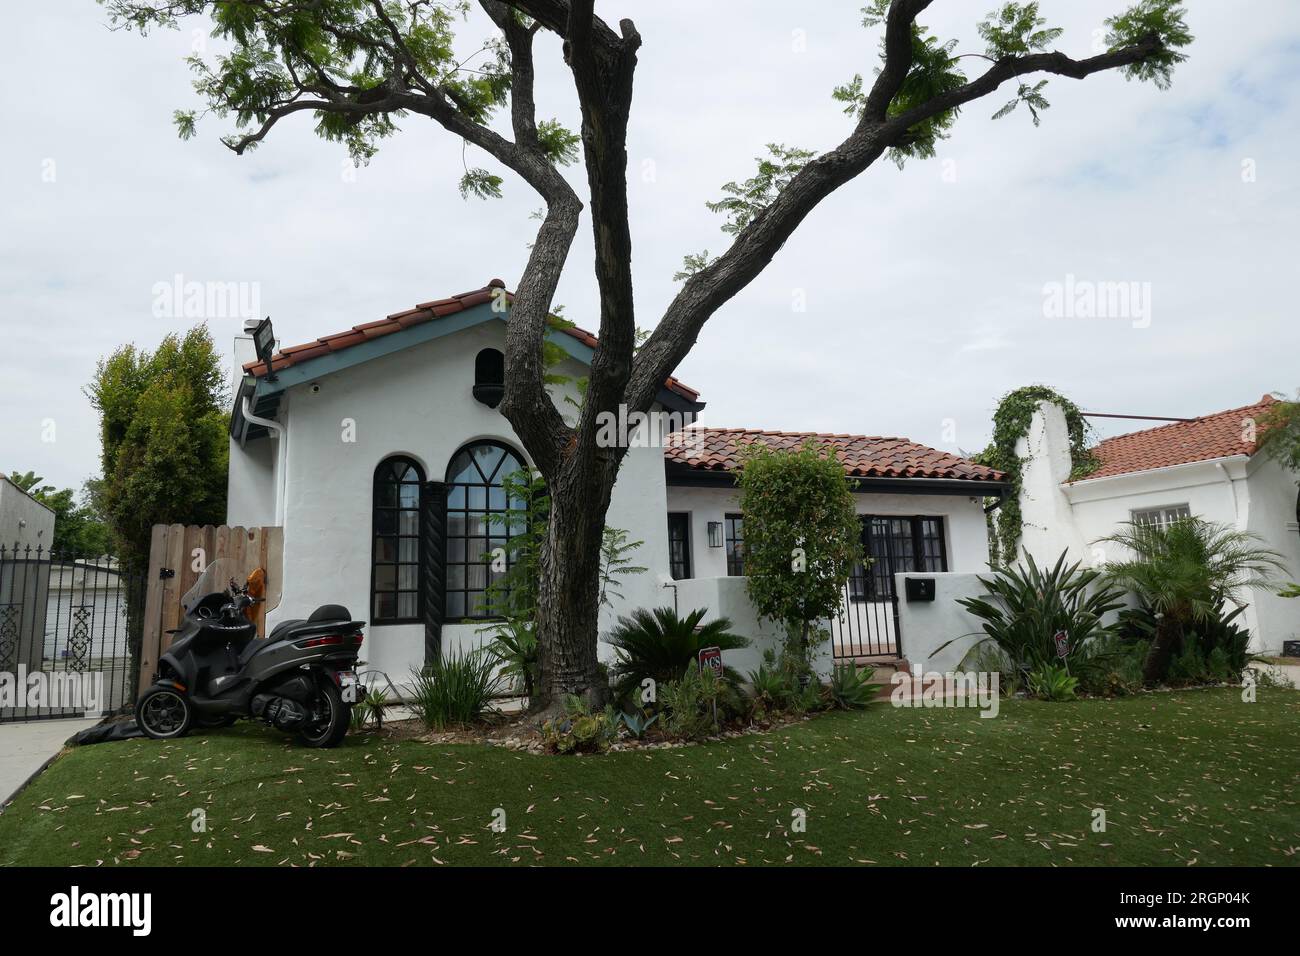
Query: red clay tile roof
point(1210, 436)
point(424, 312)
point(718, 449)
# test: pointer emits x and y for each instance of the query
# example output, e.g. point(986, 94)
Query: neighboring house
point(1208, 467)
point(24, 521)
point(380, 451)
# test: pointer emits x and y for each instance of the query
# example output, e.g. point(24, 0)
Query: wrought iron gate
point(69, 627)
point(868, 623)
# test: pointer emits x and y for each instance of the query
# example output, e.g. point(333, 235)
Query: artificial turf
point(1191, 777)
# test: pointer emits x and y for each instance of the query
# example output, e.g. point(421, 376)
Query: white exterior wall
point(251, 481)
point(1251, 494)
point(414, 402)
point(1272, 502)
point(24, 521)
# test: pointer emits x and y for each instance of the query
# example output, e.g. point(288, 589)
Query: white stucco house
point(380, 452)
point(1208, 467)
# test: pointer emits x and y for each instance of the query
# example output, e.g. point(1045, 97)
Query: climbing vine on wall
point(1011, 423)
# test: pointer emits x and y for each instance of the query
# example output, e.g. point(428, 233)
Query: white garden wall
point(928, 625)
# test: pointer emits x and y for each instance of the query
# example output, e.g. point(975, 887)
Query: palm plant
point(1185, 572)
point(660, 645)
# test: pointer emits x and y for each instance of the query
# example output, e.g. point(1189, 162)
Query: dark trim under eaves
point(684, 476)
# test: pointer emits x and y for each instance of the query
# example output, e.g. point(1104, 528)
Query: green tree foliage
point(1279, 432)
point(310, 57)
point(802, 535)
point(77, 526)
point(164, 448)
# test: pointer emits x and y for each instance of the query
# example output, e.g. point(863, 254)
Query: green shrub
point(1212, 650)
point(660, 645)
point(1025, 606)
point(851, 689)
point(1052, 682)
point(1109, 666)
point(769, 688)
point(697, 703)
point(579, 730)
point(456, 690)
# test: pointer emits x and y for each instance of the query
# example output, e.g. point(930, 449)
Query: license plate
point(347, 686)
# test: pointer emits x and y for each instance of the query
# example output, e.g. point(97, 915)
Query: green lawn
point(1189, 777)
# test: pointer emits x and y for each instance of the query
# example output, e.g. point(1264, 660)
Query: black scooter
point(301, 678)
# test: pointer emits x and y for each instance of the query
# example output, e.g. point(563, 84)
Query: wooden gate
point(178, 555)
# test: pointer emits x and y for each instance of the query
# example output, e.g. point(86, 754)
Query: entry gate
point(70, 628)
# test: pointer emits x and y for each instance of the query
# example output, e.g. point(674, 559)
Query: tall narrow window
point(477, 525)
point(734, 538)
point(679, 545)
point(395, 568)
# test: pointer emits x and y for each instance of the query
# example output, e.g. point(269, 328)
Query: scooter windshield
point(215, 577)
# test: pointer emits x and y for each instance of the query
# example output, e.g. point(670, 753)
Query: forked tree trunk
point(568, 594)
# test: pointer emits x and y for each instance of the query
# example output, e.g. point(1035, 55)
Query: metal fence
point(70, 628)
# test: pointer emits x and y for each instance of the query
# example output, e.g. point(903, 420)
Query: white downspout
point(281, 458)
point(1232, 490)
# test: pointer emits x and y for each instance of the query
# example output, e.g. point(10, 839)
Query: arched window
point(476, 523)
point(395, 577)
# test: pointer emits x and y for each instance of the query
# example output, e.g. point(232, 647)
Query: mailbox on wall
point(919, 589)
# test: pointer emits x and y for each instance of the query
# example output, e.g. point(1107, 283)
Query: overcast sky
point(906, 300)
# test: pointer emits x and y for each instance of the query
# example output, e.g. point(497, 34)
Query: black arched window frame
point(395, 563)
point(472, 534)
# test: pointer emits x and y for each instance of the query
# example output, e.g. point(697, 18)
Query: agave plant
point(1026, 606)
point(850, 688)
point(1053, 682)
point(660, 645)
point(1185, 572)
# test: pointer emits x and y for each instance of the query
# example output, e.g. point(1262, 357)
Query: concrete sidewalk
point(24, 747)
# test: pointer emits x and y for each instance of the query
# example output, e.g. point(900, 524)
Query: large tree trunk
point(568, 593)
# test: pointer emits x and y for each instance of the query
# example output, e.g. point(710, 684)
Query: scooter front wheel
point(330, 717)
point(164, 713)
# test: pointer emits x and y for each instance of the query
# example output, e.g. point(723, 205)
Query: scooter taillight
point(322, 641)
point(329, 640)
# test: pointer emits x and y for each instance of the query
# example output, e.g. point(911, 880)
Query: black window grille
point(907, 543)
point(679, 545)
point(734, 538)
point(477, 525)
point(395, 568)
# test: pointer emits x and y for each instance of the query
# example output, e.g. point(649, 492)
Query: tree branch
point(756, 244)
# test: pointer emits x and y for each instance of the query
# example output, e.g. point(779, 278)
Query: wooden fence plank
point(188, 551)
point(150, 644)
